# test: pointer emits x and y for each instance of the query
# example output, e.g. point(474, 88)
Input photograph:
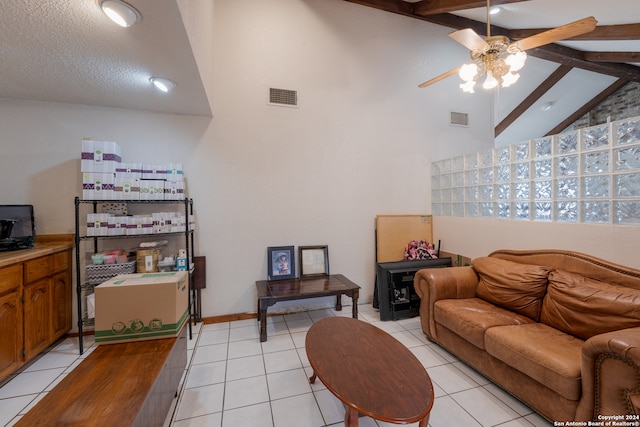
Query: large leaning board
point(394, 232)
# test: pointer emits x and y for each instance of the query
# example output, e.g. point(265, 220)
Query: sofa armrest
point(611, 374)
point(433, 284)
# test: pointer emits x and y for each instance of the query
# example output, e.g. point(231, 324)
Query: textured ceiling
point(69, 51)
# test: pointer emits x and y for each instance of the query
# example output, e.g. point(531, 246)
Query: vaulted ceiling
point(67, 51)
point(610, 55)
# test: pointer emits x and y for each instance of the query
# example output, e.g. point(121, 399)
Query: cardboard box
point(136, 307)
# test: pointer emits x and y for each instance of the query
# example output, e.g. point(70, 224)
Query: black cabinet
point(397, 298)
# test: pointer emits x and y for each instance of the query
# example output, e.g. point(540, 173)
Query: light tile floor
point(233, 380)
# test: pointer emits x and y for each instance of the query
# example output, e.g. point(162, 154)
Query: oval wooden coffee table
point(369, 371)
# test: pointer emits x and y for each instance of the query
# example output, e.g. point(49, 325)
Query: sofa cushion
point(545, 354)
point(512, 285)
point(586, 307)
point(471, 317)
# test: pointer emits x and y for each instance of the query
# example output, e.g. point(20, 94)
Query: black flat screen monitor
point(19, 220)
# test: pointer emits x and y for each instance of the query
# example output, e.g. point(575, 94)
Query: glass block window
point(627, 131)
point(521, 210)
point(627, 212)
point(471, 177)
point(502, 155)
point(542, 211)
point(627, 158)
point(542, 168)
point(566, 143)
point(587, 176)
point(521, 171)
point(595, 137)
point(595, 162)
point(471, 210)
point(471, 161)
point(503, 173)
point(566, 165)
point(486, 175)
point(542, 147)
point(521, 151)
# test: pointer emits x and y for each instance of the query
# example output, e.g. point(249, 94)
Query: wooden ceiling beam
point(602, 32)
point(434, 7)
point(593, 103)
point(568, 56)
point(395, 6)
point(543, 88)
point(612, 56)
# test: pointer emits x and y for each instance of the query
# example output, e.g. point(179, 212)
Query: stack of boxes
point(106, 177)
point(107, 224)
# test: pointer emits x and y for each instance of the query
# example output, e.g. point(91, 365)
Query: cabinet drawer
point(37, 269)
point(10, 278)
point(60, 261)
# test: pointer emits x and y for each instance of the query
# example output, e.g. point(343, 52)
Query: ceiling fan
point(499, 58)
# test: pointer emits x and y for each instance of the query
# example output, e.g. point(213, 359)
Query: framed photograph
point(314, 261)
point(280, 260)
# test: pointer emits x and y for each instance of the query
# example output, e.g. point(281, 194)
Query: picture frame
point(281, 263)
point(313, 260)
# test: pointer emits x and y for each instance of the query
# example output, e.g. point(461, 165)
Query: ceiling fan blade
point(469, 39)
point(567, 31)
point(440, 77)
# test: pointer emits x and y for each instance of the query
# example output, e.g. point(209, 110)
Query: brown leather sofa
point(559, 330)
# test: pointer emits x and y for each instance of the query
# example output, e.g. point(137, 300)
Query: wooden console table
point(270, 292)
point(130, 384)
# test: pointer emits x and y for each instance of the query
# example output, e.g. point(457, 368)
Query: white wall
point(360, 144)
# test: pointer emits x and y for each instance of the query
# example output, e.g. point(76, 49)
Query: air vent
point(459, 119)
point(283, 97)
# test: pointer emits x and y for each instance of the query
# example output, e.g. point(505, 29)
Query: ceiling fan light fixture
point(490, 82)
point(467, 87)
point(516, 60)
point(509, 79)
point(468, 72)
point(163, 84)
point(120, 12)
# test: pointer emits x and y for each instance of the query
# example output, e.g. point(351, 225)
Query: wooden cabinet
point(60, 305)
point(35, 305)
point(36, 316)
point(10, 319)
point(61, 295)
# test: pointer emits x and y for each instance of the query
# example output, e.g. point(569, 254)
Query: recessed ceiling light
point(163, 84)
point(120, 12)
point(495, 10)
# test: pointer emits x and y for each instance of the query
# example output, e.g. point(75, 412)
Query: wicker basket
point(98, 273)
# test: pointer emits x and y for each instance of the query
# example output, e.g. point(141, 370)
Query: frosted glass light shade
point(468, 86)
point(490, 82)
point(509, 79)
point(468, 72)
point(515, 61)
